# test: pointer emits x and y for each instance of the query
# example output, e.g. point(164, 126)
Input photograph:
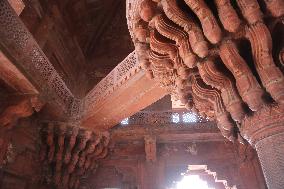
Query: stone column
point(265, 132)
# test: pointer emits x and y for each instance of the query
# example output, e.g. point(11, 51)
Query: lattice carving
point(165, 118)
point(20, 44)
point(119, 75)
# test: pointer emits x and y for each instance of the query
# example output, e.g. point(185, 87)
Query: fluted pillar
point(265, 131)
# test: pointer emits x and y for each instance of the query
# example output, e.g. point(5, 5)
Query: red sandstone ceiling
point(84, 40)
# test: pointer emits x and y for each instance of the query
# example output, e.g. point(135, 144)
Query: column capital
point(266, 122)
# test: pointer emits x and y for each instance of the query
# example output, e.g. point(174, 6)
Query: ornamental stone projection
point(219, 59)
point(141, 94)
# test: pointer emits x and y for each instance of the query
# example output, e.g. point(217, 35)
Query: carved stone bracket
point(71, 152)
point(171, 45)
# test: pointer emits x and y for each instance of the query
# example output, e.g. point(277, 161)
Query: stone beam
point(18, 44)
point(18, 5)
point(14, 78)
point(122, 93)
point(197, 132)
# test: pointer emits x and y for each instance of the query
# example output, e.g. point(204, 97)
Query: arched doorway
point(200, 177)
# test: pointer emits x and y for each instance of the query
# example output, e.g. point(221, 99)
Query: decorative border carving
point(22, 47)
point(161, 119)
point(117, 77)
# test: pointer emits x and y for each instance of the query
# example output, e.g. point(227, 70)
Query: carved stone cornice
point(267, 122)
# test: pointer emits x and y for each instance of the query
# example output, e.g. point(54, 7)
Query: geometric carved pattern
point(163, 118)
point(121, 73)
point(21, 46)
point(266, 122)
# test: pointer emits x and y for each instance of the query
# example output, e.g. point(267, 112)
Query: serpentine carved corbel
point(164, 46)
point(250, 10)
point(168, 29)
point(210, 26)
point(142, 50)
point(228, 15)
point(212, 76)
point(147, 10)
point(50, 142)
point(72, 135)
point(275, 7)
point(208, 94)
point(163, 70)
point(270, 75)
point(247, 85)
point(195, 35)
